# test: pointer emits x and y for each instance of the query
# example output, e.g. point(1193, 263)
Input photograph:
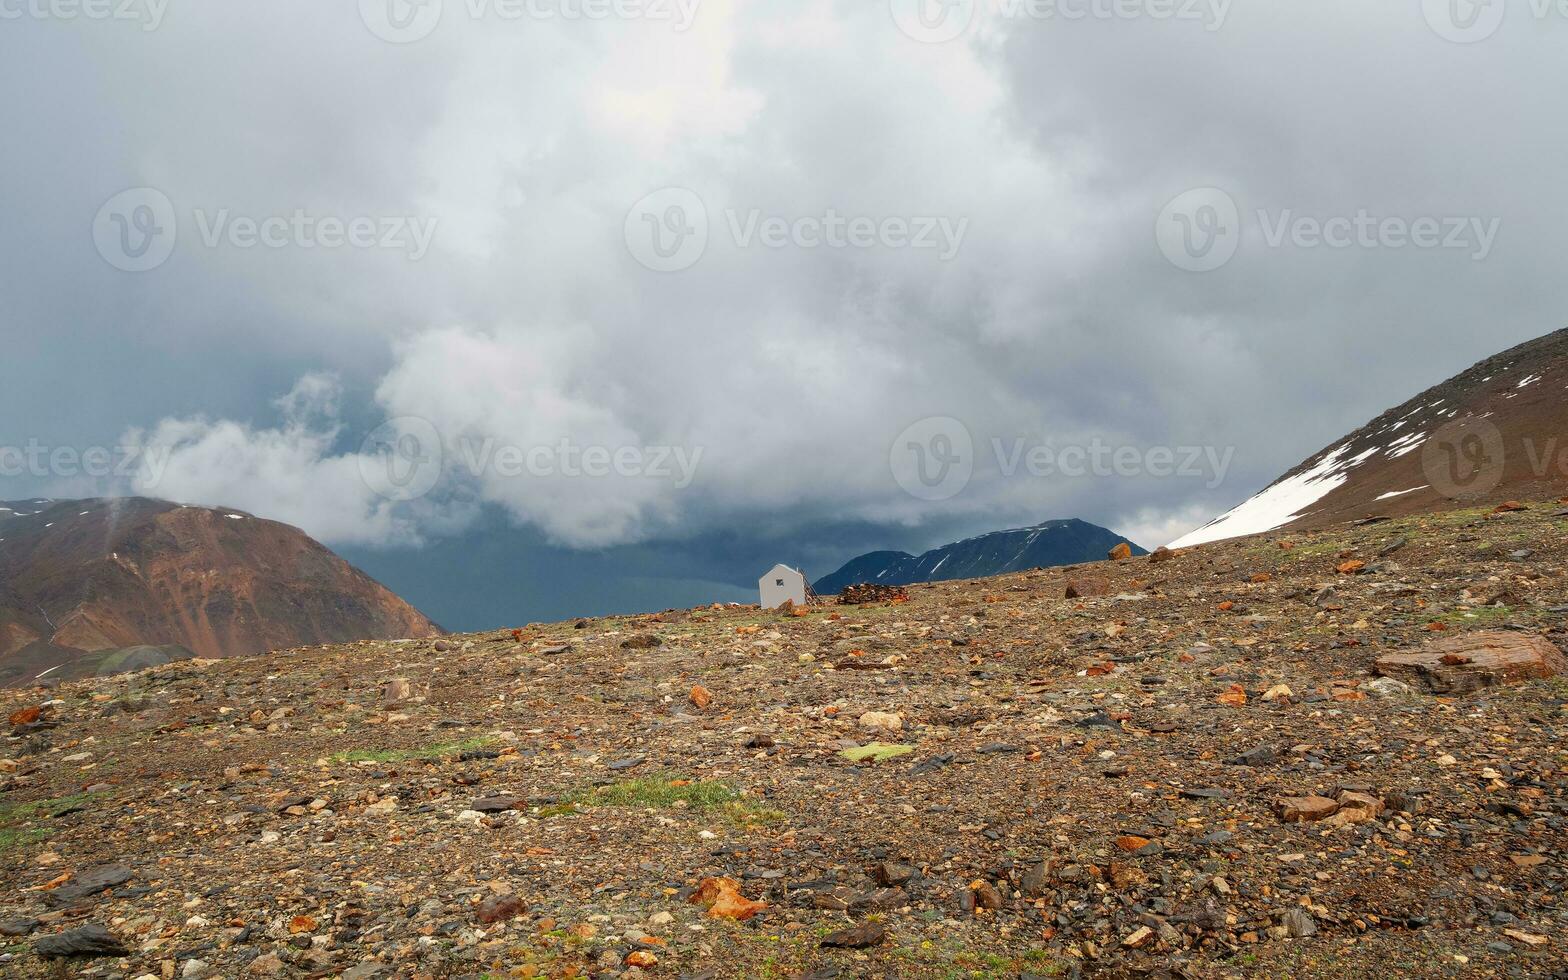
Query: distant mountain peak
point(1054, 542)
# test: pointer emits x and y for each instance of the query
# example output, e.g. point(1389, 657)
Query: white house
point(782, 584)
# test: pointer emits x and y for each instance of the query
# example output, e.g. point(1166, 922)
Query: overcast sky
point(773, 265)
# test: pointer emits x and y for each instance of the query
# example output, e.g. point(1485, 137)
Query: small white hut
point(782, 584)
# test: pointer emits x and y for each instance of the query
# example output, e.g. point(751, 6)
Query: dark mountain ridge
point(1061, 542)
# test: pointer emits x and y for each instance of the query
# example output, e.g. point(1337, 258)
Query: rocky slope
point(1491, 433)
point(89, 586)
point(1198, 774)
point(998, 553)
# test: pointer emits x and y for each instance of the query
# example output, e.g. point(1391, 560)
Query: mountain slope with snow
point(1490, 433)
point(999, 552)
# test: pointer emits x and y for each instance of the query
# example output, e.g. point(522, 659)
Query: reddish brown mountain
point(90, 586)
point(1495, 432)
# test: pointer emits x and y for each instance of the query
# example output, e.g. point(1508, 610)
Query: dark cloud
point(1052, 145)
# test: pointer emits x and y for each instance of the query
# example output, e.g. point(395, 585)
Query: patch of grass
point(407, 755)
point(666, 793)
point(13, 815)
point(876, 752)
point(1477, 615)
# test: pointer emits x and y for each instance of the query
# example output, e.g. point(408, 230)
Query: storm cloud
point(653, 269)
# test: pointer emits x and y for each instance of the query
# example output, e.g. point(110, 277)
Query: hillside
point(1200, 773)
point(1488, 434)
point(89, 586)
point(1044, 545)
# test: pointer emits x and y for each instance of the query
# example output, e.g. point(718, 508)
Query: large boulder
point(1471, 661)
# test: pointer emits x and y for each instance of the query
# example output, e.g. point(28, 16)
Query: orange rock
point(1470, 661)
point(1352, 567)
point(642, 958)
point(1262, 577)
point(1509, 506)
point(25, 716)
point(1301, 809)
point(1236, 696)
point(1132, 842)
point(1121, 552)
point(1083, 588)
point(724, 901)
point(301, 924)
point(1227, 606)
point(701, 697)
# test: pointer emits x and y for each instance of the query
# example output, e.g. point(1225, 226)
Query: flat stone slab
point(1471, 661)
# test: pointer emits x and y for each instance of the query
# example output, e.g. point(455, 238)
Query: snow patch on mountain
point(1281, 503)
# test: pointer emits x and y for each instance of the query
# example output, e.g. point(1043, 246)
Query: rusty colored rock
point(986, 895)
point(1121, 552)
point(860, 595)
point(1356, 807)
point(1471, 661)
point(25, 716)
point(1304, 809)
point(499, 908)
point(397, 691)
point(700, 697)
point(724, 901)
point(1087, 586)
